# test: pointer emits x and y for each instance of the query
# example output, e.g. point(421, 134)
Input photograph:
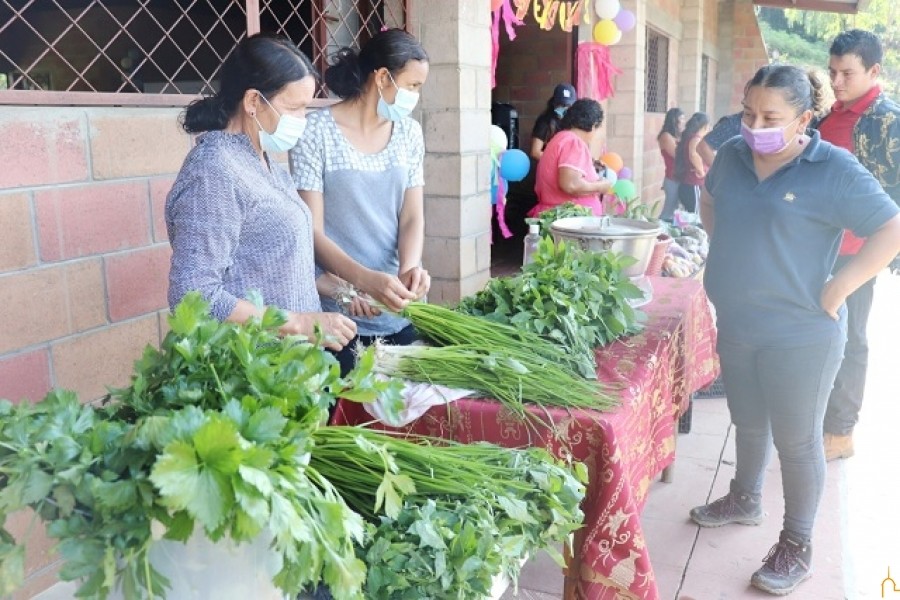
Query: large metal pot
point(609, 234)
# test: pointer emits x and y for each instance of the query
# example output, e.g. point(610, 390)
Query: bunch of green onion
point(447, 327)
point(512, 378)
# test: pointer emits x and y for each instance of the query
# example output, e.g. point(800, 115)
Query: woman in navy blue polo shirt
point(775, 202)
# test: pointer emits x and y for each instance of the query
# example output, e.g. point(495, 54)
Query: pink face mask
point(766, 140)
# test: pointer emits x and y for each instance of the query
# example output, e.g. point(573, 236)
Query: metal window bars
point(657, 72)
point(160, 52)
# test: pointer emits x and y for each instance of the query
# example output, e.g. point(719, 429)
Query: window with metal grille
point(657, 72)
point(704, 82)
point(152, 52)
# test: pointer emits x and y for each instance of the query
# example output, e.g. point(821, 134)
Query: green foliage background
point(802, 37)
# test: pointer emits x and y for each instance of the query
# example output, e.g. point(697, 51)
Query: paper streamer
point(500, 205)
point(595, 71)
point(510, 22)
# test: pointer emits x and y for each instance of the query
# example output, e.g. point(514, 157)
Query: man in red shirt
point(865, 122)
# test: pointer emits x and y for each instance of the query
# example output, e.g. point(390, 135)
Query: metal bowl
point(609, 234)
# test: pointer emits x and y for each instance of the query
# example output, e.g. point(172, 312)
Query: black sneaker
point(787, 565)
point(733, 507)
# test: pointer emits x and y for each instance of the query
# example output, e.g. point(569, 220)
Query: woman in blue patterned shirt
point(234, 220)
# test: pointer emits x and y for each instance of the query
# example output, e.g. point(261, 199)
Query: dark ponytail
point(344, 77)
point(391, 49)
point(261, 62)
point(205, 114)
point(698, 121)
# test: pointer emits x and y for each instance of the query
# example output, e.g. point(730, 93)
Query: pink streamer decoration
point(501, 208)
point(510, 22)
point(595, 71)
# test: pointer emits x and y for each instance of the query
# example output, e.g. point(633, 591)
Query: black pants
point(347, 357)
point(846, 397)
point(687, 195)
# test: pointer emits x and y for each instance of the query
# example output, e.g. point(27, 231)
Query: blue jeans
point(779, 394)
point(670, 188)
point(850, 385)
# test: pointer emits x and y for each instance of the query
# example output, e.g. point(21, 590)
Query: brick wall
point(741, 53)
point(528, 68)
point(83, 255)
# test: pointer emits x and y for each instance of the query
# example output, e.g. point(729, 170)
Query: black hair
point(670, 124)
point(390, 49)
point(863, 44)
point(800, 88)
point(584, 114)
point(698, 121)
point(262, 62)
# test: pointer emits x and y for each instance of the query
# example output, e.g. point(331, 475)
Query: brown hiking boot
point(838, 446)
point(787, 565)
point(733, 507)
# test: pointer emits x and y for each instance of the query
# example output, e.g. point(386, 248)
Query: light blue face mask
point(286, 135)
point(560, 111)
point(404, 103)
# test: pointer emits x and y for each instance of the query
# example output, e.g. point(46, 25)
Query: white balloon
point(607, 9)
point(498, 140)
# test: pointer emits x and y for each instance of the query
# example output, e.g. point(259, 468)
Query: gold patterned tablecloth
point(655, 371)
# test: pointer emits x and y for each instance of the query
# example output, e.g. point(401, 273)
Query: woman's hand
point(417, 280)
point(831, 299)
point(337, 330)
point(361, 306)
point(386, 289)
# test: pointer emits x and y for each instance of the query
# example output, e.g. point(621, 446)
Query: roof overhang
point(835, 6)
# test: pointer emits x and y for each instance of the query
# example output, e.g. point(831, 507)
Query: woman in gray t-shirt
point(359, 168)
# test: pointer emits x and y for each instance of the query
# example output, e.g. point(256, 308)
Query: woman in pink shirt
point(565, 172)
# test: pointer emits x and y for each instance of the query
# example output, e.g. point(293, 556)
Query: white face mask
point(404, 103)
point(286, 135)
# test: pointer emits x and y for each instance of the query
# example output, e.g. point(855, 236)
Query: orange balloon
point(495, 4)
point(613, 161)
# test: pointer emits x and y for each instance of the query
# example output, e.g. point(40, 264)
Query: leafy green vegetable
point(214, 430)
point(564, 210)
point(577, 299)
point(469, 513)
point(221, 429)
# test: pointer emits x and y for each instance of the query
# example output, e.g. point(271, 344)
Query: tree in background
point(802, 37)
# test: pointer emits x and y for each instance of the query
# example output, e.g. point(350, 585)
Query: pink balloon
point(626, 20)
point(625, 173)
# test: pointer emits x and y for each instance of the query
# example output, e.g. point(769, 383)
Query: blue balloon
point(514, 165)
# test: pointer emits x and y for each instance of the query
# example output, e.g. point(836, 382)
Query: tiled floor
point(857, 534)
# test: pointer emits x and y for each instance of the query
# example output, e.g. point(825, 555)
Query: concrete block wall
point(456, 118)
point(84, 257)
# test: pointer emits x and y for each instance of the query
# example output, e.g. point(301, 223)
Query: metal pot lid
point(605, 226)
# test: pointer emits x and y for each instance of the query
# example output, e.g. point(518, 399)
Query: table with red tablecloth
point(654, 373)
